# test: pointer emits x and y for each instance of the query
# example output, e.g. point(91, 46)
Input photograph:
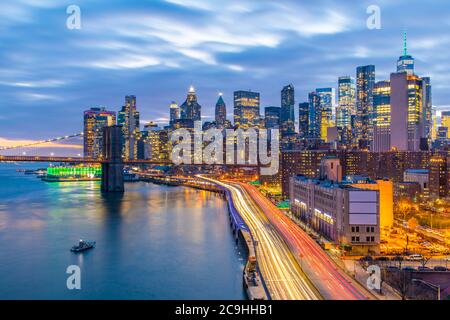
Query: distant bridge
point(76, 160)
point(111, 161)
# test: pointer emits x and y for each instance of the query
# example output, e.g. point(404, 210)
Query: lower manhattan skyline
point(54, 71)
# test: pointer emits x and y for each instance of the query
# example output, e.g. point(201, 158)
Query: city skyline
point(64, 90)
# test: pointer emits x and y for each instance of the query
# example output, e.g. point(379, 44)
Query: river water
point(153, 242)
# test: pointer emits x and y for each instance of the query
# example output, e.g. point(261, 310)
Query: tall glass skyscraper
point(94, 121)
point(445, 121)
point(406, 111)
point(315, 116)
point(246, 109)
point(326, 104)
point(128, 118)
point(287, 110)
point(272, 117)
point(365, 81)
point(382, 116)
point(346, 102)
point(220, 112)
point(174, 113)
point(427, 114)
point(190, 109)
point(303, 120)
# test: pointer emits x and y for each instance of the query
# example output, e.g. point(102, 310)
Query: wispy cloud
point(155, 49)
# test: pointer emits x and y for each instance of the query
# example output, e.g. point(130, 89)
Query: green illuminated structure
point(74, 171)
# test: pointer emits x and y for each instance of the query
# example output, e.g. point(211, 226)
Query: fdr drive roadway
point(292, 265)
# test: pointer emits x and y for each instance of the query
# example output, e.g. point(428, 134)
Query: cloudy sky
point(155, 49)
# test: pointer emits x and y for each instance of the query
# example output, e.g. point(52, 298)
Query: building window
point(372, 229)
point(353, 239)
point(372, 239)
point(357, 239)
point(367, 239)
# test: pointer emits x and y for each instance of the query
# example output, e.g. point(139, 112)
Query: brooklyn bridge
point(111, 161)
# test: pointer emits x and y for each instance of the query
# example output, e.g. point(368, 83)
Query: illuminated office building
point(174, 113)
point(445, 121)
point(128, 119)
point(190, 109)
point(159, 146)
point(406, 112)
point(94, 121)
point(346, 214)
point(220, 112)
point(326, 104)
point(303, 120)
point(382, 116)
point(246, 109)
point(346, 102)
point(438, 177)
point(315, 116)
point(427, 112)
point(272, 117)
point(365, 81)
point(287, 111)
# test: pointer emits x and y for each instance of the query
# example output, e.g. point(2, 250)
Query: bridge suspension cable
point(34, 143)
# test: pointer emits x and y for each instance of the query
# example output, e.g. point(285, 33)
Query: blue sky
point(155, 49)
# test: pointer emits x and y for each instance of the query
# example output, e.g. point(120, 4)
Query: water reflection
point(153, 242)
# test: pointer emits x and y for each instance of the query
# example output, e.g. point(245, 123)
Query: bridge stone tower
point(112, 168)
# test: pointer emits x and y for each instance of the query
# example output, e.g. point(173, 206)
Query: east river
point(153, 242)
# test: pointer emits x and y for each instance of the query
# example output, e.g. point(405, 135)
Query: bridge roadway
point(279, 268)
point(92, 160)
point(75, 160)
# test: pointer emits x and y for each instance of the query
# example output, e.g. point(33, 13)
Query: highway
point(279, 268)
point(326, 276)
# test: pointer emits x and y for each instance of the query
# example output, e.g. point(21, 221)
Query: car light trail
point(279, 268)
point(326, 276)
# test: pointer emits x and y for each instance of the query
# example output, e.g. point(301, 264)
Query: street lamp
point(431, 285)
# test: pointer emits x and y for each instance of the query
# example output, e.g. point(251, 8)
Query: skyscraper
point(128, 118)
point(190, 109)
point(315, 116)
point(94, 121)
point(445, 121)
point(346, 102)
point(220, 112)
point(246, 109)
point(365, 80)
point(427, 114)
point(405, 62)
point(303, 120)
point(326, 102)
point(174, 113)
point(287, 110)
point(272, 117)
point(406, 111)
point(382, 116)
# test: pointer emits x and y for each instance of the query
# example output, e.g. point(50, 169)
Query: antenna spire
point(405, 46)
